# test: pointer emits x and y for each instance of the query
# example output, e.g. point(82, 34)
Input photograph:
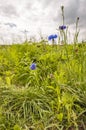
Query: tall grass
point(52, 96)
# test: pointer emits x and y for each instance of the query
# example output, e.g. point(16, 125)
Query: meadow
point(50, 96)
point(43, 86)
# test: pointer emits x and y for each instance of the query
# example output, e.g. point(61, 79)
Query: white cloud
point(36, 15)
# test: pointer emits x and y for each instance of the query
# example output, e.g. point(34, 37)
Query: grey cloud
point(33, 18)
point(8, 10)
point(29, 5)
point(71, 11)
point(46, 3)
point(76, 9)
point(11, 25)
point(82, 12)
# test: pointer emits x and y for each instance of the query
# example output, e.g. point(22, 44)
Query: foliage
point(50, 97)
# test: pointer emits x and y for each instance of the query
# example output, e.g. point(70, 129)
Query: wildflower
point(62, 27)
point(51, 37)
point(33, 66)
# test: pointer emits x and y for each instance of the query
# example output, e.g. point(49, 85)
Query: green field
point(51, 97)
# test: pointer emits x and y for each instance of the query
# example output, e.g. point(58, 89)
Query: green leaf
point(16, 127)
point(60, 116)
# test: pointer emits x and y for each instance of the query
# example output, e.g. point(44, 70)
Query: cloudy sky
point(34, 18)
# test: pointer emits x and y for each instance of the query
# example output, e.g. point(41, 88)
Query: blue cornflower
point(62, 27)
point(52, 37)
point(33, 66)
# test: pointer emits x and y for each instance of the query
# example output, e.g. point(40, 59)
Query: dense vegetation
point(51, 97)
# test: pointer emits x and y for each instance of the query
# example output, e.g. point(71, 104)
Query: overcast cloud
point(37, 16)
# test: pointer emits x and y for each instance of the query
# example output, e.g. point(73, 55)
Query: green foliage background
point(52, 97)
